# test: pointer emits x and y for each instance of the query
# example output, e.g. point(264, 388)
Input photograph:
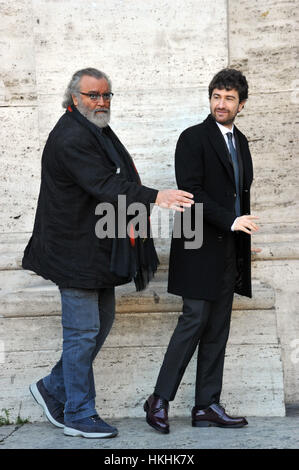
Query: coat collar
point(100, 135)
point(96, 131)
point(217, 141)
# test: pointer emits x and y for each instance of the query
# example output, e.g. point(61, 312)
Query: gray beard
point(100, 119)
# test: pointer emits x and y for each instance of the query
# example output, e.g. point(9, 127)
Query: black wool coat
point(203, 167)
point(77, 173)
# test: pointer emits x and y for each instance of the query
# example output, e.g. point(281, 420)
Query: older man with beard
point(84, 164)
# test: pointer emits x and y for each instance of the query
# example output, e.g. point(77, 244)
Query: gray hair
point(73, 87)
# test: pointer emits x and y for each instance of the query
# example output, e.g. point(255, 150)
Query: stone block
point(264, 46)
point(129, 362)
point(42, 298)
point(17, 75)
point(141, 45)
point(20, 168)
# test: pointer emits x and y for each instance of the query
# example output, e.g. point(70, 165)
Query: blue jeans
point(87, 317)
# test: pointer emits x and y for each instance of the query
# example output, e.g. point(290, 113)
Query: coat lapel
point(245, 157)
point(218, 143)
point(240, 159)
point(119, 156)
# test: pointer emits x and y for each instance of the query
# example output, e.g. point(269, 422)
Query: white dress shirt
point(225, 130)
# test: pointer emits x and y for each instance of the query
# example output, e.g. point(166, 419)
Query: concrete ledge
point(126, 376)
point(32, 334)
point(44, 299)
point(127, 367)
point(277, 242)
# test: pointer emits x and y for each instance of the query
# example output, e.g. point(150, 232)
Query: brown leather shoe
point(156, 409)
point(215, 415)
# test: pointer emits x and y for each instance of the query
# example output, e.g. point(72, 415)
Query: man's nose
point(101, 100)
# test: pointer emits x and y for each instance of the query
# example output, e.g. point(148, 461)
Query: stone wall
point(160, 57)
point(153, 52)
point(263, 42)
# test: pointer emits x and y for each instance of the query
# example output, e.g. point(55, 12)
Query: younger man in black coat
point(213, 162)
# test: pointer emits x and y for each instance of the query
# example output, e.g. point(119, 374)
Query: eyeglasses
point(98, 96)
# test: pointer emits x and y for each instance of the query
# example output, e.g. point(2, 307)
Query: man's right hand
point(245, 224)
point(174, 199)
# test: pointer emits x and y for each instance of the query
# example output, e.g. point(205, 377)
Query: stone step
point(276, 241)
point(250, 327)
point(285, 248)
point(38, 300)
point(129, 362)
point(127, 367)
point(156, 299)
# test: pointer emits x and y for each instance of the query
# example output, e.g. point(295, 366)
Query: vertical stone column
point(19, 120)
point(263, 42)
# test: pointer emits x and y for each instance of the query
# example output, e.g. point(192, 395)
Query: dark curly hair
point(229, 79)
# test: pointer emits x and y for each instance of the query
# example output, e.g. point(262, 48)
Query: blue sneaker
point(91, 427)
point(53, 409)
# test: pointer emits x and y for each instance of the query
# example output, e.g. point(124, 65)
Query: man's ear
point(241, 105)
point(75, 100)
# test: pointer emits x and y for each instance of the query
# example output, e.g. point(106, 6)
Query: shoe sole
point(157, 428)
point(89, 435)
point(209, 424)
point(39, 399)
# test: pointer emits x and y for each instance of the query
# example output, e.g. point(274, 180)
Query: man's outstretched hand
point(174, 199)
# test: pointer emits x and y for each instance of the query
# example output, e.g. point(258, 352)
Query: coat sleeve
point(91, 171)
point(189, 169)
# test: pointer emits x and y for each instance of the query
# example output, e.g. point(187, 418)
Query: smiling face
point(96, 111)
point(225, 106)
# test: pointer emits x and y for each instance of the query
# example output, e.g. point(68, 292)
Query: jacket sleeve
point(91, 171)
point(189, 169)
